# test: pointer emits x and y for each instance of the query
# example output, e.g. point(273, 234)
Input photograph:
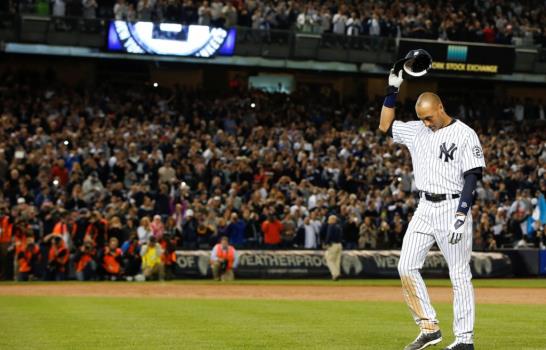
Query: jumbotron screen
point(170, 39)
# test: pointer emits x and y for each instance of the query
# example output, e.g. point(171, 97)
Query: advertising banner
point(463, 57)
point(354, 264)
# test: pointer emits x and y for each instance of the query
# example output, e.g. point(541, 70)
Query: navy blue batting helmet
point(416, 64)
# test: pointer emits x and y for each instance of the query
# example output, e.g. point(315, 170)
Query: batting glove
point(457, 229)
point(395, 81)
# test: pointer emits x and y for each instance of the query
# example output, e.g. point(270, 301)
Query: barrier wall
point(354, 264)
point(542, 269)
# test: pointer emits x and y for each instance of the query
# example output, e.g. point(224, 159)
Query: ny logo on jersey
point(447, 153)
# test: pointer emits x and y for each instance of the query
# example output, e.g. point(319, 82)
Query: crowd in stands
point(499, 21)
point(108, 181)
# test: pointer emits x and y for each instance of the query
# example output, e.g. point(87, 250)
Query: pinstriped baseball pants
point(431, 223)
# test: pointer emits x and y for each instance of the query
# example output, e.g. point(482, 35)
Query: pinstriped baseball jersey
point(440, 157)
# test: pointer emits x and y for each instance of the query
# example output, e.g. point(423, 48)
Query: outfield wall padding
point(354, 264)
point(542, 268)
point(525, 262)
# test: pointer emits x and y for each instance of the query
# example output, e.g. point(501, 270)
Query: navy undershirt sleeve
point(471, 178)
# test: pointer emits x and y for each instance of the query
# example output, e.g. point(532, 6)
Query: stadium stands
point(503, 22)
point(95, 164)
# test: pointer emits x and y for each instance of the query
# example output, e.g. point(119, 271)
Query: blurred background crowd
point(489, 21)
point(105, 180)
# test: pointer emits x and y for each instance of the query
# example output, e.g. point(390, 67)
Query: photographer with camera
point(6, 226)
point(223, 259)
point(84, 261)
point(57, 262)
point(111, 259)
point(28, 258)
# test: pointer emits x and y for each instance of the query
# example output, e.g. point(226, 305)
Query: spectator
point(144, 231)
point(116, 229)
point(167, 173)
point(131, 13)
point(223, 260)
point(145, 9)
point(272, 228)
point(353, 25)
point(59, 173)
point(189, 231)
point(131, 257)
point(310, 233)
point(152, 262)
point(92, 188)
point(158, 229)
point(89, 9)
point(59, 8)
point(204, 14)
point(229, 12)
point(334, 247)
point(236, 231)
point(367, 234)
point(253, 232)
point(216, 16)
point(351, 233)
point(339, 21)
point(288, 233)
point(374, 29)
point(121, 10)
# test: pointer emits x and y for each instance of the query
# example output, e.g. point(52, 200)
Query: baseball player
point(447, 162)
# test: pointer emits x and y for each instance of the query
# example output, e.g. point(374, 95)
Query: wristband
point(390, 100)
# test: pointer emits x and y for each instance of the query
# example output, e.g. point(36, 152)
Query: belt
point(434, 197)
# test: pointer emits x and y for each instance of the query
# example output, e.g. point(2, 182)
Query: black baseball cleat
point(460, 346)
point(424, 340)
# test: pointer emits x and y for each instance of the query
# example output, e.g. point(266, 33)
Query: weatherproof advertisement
point(354, 264)
point(171, 39)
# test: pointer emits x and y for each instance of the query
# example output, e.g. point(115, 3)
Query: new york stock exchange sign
point(354, 264)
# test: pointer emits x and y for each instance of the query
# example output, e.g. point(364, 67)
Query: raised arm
point(387, 111)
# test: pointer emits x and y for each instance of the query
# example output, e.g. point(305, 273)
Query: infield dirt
point(281, 292)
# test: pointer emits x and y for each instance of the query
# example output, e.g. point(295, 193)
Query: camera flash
point(156, 84)
point(65, 142)
point(252, 105)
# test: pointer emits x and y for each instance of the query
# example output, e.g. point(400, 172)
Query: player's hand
point(457, 229)
point(395, 80)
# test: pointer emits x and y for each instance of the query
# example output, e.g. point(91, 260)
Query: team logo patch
point(464, 205)
point(477, 152)
point(447, 153)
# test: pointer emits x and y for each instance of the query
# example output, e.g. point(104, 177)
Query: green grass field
point(154, 323)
